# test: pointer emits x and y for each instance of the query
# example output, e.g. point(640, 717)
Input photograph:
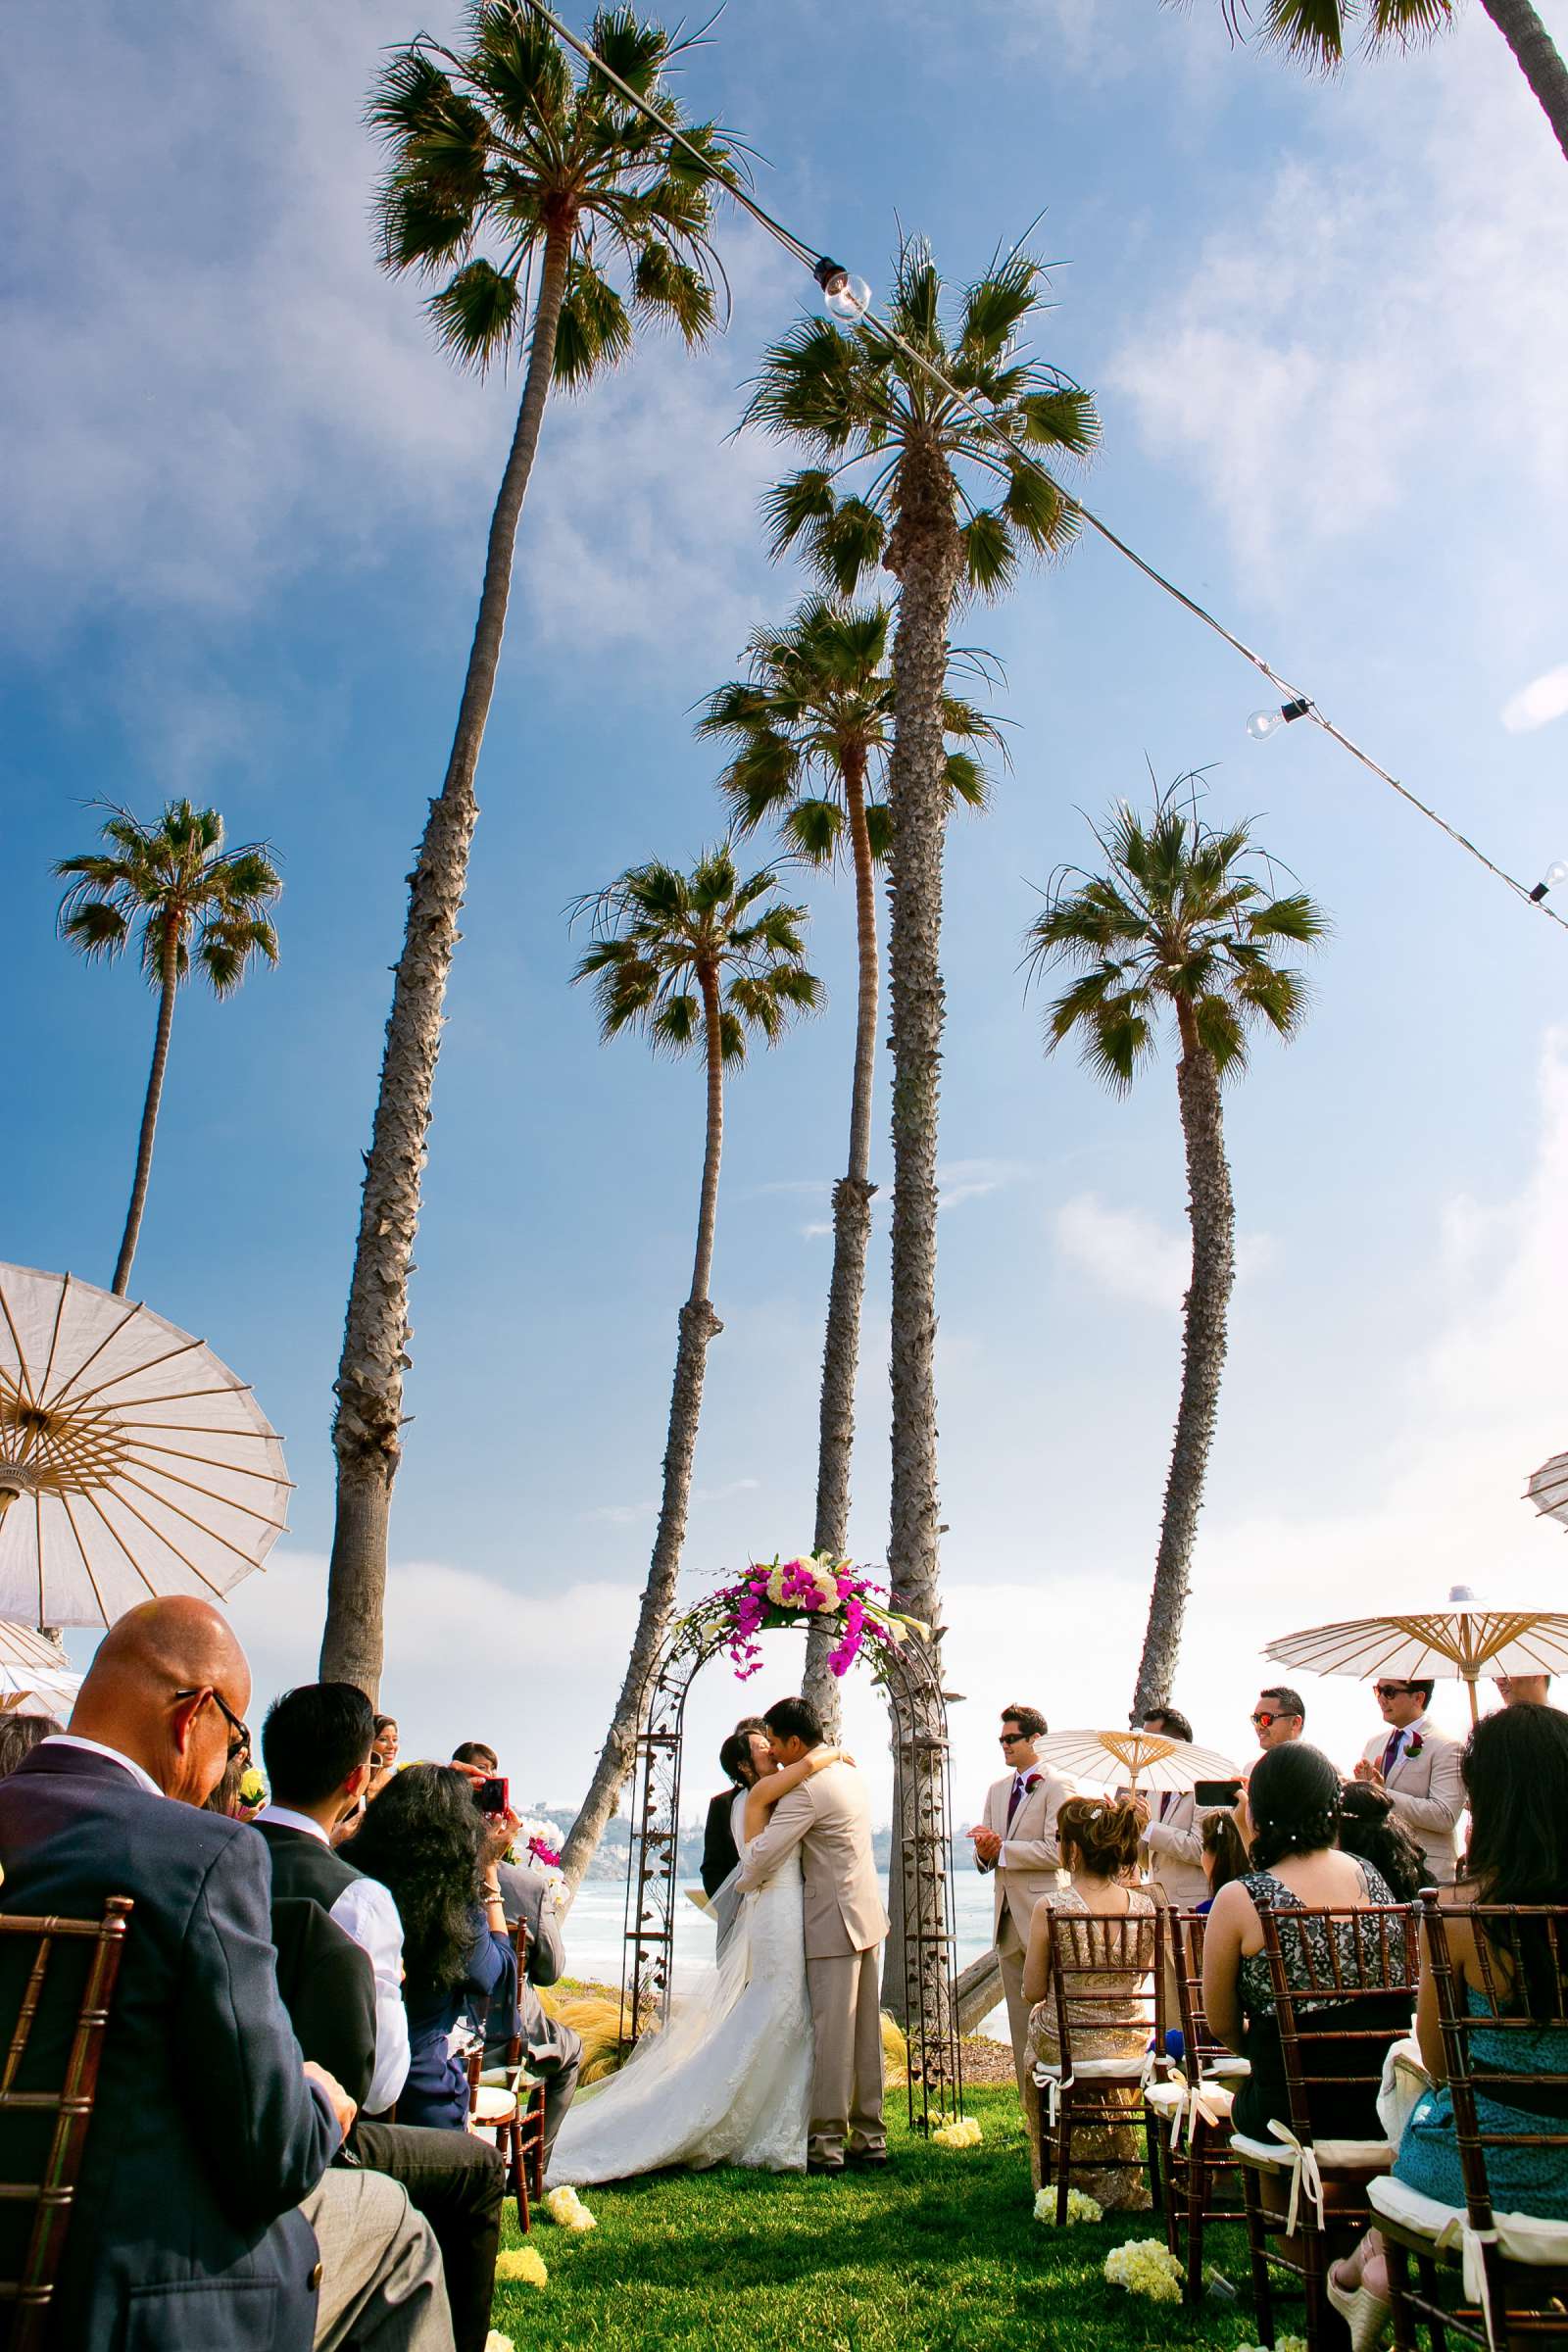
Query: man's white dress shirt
point(367, 1913)
point(96, 1748)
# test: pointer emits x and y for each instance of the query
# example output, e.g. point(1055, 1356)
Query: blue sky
point(245, 517)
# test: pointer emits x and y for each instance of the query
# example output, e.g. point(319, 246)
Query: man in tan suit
point(1015, 1839)
point(1174, 1837)
point(1418, 1766)
point(829, 1817)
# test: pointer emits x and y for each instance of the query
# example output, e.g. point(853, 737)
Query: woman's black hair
point(1294, 1799)
point(421, 1836)
point(19, 1735)
point(1371, 1831)
point(1515, 1767)
point(1223, 1839)
point(735, 1759)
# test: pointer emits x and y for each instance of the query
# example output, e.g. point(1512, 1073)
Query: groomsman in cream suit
point(829, 1817)
point(1419, 1767)
point(1174, 1836)
point(1017, 1842)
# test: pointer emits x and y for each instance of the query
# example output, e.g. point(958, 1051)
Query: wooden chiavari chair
point(1092, 1959)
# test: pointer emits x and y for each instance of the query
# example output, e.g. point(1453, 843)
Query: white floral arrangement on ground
point(537, 1842)
point(566, 2208)
point(520, 2266)
point(962, 2132)
point(1146, 2267)
point(1281, 2343)
point(1081, 2207)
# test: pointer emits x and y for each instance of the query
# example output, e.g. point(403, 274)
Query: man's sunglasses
point(1393, 1689)
point(239, 1734)
point(1012, 1738)
point(1264, 1720)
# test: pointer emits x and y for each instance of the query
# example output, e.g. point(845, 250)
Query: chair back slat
point(1522, 1956)
point(52, 2193)
point(1201, 2047)
point(1092, 1957)
point(519, 1944)
point(1344, 1984)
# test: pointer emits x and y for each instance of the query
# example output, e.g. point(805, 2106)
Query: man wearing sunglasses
point(1279, 1717)
point(1418, 1767)
point(1016, 1840)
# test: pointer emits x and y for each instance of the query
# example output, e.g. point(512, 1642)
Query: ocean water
point(595, 1930)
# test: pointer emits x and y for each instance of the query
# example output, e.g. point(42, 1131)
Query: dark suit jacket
point(206, 2135)
point(305, 1866)
point(327, 1986)
point(719, 1853)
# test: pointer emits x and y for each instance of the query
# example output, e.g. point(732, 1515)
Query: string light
point(1264, 723)
point(848, 299)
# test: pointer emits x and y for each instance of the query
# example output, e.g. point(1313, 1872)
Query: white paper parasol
point(1136, 1760)
point(1547, 1488)
point(131, 1461)
point(1458, 1642)
point(37, 1678)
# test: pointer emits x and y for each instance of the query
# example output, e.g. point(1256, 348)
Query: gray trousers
point(1011, 1954)
point(381, 2287)
point(847, 2073)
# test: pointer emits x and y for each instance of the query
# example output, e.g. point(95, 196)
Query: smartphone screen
point(1216, 1792)
point(491, 1795)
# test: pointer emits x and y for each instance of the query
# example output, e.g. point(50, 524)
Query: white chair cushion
point(491, 2107)
point(1095, 2070)
point(1233, 2068)
point(1521, 2236)
point(1165, 2097)
point(1333, 2155)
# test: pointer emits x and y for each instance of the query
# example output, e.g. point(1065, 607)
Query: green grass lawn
point(938, 2251)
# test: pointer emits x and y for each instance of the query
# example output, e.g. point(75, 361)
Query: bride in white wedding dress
point(728, 2081)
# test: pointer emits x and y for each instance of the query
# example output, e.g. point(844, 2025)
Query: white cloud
point(627, 1515)
point(1132, 1255)
point(1536, 705)
point(1308, 392)
point(962, 1180)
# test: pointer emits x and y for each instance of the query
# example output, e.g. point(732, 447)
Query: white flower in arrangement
point(1081, 2207)
point(536, 1843)
point(568, 2210)
point(1146, 2267)
point(1281, 2343)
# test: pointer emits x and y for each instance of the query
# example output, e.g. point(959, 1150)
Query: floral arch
point(773, 1597)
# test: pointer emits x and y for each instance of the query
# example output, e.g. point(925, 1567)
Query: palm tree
point(1178, 924)
point(700, 962)
point(860, 401)
point(1318, 32)
point(179, 887)
point(572, 187)
point(813, 725)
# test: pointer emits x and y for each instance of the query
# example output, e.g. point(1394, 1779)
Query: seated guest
point(1225, 1856)
point(1174, 1837)
point(1372, 1831)
point(19, 1735)
point(1098, 1843)
point(205, 2213)
point(1293, 1801)
point(720, 1855)
point(385, 1754)
point(318, 1744)
point(1419, 1767)
point(428, 1844)
point(1515, 1767)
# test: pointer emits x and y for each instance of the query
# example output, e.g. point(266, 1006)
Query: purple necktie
point(1391, 1752)
point(1020, 1789)
point(1164, 1802)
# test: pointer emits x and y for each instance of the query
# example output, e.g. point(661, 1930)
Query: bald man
point(205, 2212)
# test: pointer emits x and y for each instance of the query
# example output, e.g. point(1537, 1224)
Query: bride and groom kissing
point(773, 2058)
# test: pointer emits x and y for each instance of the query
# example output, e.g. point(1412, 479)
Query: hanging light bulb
point(846, 296)
point(1556, 872)
point(1264, 723)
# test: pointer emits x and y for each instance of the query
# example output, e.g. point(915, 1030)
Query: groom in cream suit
point(829, 1817)
point(1015, 1839)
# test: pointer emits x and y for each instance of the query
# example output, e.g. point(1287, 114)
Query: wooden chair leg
point(1064, 2158)
point(1404, 2325)
point(1426, 2270)
point(1257, 2256)
point(1196, 2197)
point(1157, 2186)
point(536, 2151)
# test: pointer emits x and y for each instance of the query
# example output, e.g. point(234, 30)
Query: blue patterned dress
point(1521, 2179)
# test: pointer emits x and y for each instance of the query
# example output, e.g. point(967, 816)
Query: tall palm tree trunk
point(851, 1235)
point(925, 554)
point(698, 1326)
point(377, 1333)
point(169, 989)
point(1212, 1211)
point(1537, 58)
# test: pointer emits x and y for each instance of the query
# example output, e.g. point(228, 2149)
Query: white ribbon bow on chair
point(1304, 2172)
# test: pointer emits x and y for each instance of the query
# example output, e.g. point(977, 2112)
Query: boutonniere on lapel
point(1413, 1746)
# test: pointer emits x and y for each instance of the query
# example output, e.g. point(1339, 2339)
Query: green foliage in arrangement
point(940, 2253)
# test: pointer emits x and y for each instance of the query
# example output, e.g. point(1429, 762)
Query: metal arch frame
point(912, 1678)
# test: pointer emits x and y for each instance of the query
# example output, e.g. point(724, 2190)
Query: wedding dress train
point(728, 2081)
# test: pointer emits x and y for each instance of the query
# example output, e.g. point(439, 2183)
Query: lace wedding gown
point(728, 2081)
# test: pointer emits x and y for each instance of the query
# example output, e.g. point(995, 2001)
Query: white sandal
point(1368, 2316)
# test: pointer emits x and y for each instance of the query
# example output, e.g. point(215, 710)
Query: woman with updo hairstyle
point(1098, 1838)
point(1292, 1810)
